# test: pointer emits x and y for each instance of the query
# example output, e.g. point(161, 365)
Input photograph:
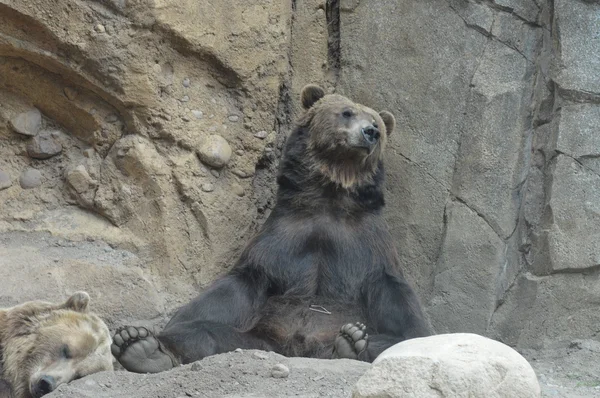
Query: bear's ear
point(389, 120)
point(311, 93)
point(78, 302)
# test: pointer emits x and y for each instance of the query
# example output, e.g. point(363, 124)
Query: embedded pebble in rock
point(30, 178)
point(215, 173)
point(43, 146)
point(112, 118)
point(185, 98)
point(280, 371)
point(215, 151)
point(197, 114)
point(261, 134)
point(196, 367)
point(100, 28)
point(233, 118)
point(237, 189)
point(79, 179)
point(27, 123)
point(239, 152)
point(186, 82)
point(208, 187)
point(260, 355)
point(70, 93)
point(185, 118)
point(238, 350)
point(88, 153)
point(5, 181)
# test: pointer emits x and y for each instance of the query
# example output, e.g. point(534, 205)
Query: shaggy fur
point(43, 345)
point(323, 258)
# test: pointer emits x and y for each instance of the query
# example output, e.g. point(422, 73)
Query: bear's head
point(44, 348)
point(346, 140)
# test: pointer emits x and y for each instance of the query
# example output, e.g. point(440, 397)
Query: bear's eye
point(375, 125)
point(347, 113)
point(65, 351)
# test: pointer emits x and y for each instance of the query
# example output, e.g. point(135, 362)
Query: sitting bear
point(324, 259)
point(43, 345)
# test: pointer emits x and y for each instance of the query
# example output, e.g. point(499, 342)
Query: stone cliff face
point(139, 141)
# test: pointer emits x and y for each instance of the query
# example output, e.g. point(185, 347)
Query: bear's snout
point(371, 134)
point(44, 385)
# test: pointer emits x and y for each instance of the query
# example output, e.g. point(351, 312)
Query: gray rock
point(450, 365)
point(477, 15)
point(574, 233)
point(260, 355)
point(237, 189)
point(30, 178)
point(577, 65)
point(526, 9)
point(570, 300)
point(578, 134)
point(186, 82)
point(517, 34)
point(27, 123)
point(111, 118)
point(233, 118)
point(208, 187)
point(215, 151)
point(261, 134)
point(43, 146)
point(280, 371)
point(465, 278)
point(493, 157)
point(197, 114)
point(5, 181)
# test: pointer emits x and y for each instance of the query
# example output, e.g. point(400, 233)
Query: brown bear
point(324, 259)
point(43, 345)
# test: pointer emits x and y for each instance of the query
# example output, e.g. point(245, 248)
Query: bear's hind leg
point(194, 340)
point(139, 351)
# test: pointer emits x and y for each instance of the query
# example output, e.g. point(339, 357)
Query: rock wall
point(139, 141)
point(495, 189)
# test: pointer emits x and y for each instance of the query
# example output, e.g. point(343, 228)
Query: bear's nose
point(45, 385)
point(371, 134)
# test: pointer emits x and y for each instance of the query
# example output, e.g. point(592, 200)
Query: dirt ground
point(236, 374)
point(571, 372)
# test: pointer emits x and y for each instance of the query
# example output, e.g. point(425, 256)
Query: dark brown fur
point(325, 243)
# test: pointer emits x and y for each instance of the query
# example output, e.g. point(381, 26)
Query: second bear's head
point(346, 140)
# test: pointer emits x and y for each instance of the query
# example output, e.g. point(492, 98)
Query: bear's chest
point(329, 258)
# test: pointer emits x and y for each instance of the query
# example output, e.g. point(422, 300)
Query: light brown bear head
point(45, 345)
point(346, 139)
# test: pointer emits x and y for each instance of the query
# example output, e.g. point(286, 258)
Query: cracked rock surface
point(493, 173)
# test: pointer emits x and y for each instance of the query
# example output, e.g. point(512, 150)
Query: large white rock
point(449, 366)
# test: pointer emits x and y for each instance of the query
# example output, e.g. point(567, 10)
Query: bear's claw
point(352, 341)
point(139, 351)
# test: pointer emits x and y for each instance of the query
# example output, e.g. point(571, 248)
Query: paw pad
point(125, 336)
point(351, 341)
